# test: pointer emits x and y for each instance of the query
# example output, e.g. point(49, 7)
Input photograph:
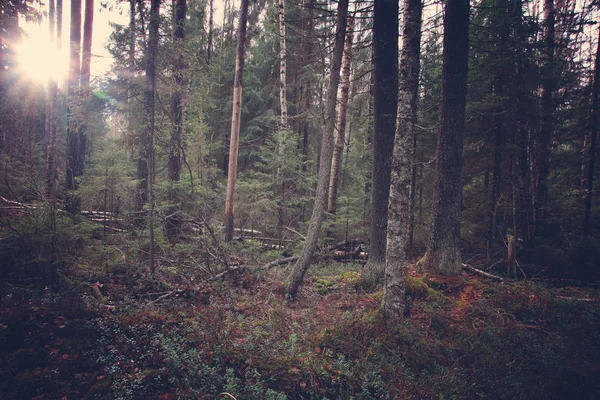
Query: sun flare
point(39, 59)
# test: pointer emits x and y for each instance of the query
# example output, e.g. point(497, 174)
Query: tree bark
point(546, 127)
point(145, 166)
point(72, 92)
point(235, 120)
point(211, 25)
point(175, 145)
point(88, 28)
point(385, 102)
point(443, 250)
point(398, 236)
point(340, 131)
point(303, 263)
point(283, 121)
point(51, 120)
point(592, 150)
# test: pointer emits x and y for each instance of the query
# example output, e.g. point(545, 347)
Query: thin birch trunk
point(340, 131)
point(297, 276)
point(235, 120)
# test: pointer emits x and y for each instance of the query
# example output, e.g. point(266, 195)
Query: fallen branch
point(230, 270)
point(275, 263)
point(584, 299)
point(483, 273)
point(296, 232)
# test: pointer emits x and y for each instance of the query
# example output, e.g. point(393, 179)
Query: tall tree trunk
point(88, 29)
point(72, 92)
point(385, 56)
point(398, 243)
point(175, 145)
point(547, 126)
point(310, 243)
point(59, 16)
point(283, 121)
point(211, 26)
point(340, 131)
point(51, 121)
point(131, 37)
point(443, 250)
point(587, 222)
point(145, 166)
point(235, 120)
point(305, 88)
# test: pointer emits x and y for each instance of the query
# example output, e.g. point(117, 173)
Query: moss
point(436, 297)
point(416, 288)
point(324, 285)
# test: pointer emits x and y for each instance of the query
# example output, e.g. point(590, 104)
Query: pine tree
point(398, 241)
point(444, 251)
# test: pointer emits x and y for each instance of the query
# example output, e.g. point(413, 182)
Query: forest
point(303, 199)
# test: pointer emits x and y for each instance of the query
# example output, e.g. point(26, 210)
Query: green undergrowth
point(463, 338)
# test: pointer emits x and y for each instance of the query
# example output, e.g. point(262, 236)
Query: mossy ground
point(465, 338)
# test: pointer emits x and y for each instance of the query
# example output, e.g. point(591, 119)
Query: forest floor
point(187, 337)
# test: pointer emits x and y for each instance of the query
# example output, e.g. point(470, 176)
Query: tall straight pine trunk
point(546, 126)
point(385, 108)
point(443, 250)
point(175, 144)
point(145, 166)
point(592, 149)
point(72, 93)
point(235, 120)
point(51, 120)
point(398, 234)
point(310, 243)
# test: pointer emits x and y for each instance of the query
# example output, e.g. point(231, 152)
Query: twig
point(483, 273)
point(164, 296)
point(275, 263)
point(230, 270)
point(296, 232)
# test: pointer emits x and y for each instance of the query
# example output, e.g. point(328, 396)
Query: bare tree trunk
point(398, 243)
point(443, 250)
point(385, 100)
point(51, 122)
point(297, 276)
point(84, 86)
point(340, 131)
point(235, 120)
point(282, 73)
point(72, 92)
point(175, 145)
point(546, 127)
point(592, 151)
point(145, 166)
point(283, 121)
point(88, 28)
point(211, 26)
